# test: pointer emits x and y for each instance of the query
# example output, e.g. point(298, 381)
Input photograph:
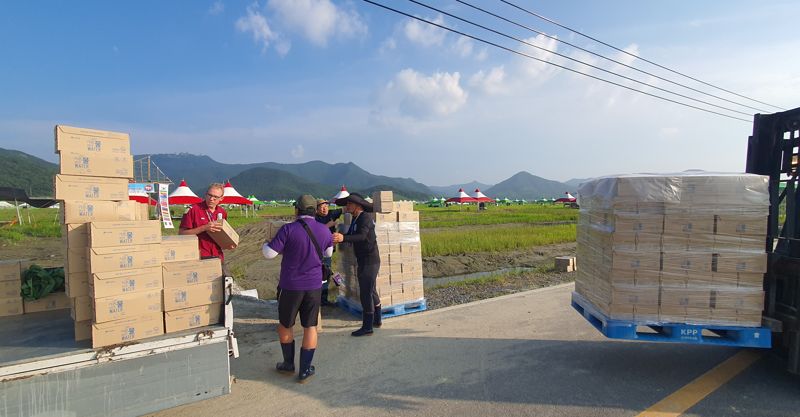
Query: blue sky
point(298, 80)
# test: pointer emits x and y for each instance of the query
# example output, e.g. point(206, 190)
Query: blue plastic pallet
point(755, 337)
point(388, 311)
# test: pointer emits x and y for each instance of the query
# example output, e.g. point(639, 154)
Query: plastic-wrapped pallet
point(399, 279)
point(685, 248)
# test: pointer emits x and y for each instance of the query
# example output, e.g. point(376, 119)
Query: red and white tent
point(568, 199)
point(341, 194)
point(183, 195)
point(231, 196)
point(481, 198)
point(461, 198)
point(142, 199)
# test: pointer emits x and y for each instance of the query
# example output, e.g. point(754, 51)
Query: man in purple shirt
point(300, 283)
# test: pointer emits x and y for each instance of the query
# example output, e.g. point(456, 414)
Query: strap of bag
point(313, 238)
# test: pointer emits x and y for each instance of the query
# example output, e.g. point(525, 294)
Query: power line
point(551, 63)
point(628, 53)
point(606, 58)
point(577, 60)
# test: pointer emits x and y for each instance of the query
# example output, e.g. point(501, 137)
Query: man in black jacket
point(362, 235)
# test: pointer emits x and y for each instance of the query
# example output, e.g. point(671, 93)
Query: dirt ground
point(44, 251)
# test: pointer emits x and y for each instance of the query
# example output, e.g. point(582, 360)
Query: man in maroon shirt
point(204, 217)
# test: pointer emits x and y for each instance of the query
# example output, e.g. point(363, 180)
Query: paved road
point(526, 354)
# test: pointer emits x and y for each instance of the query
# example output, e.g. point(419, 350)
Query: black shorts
point(290, 302)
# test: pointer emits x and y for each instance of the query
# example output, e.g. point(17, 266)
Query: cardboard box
point(740, 262)
point(75, 235)
point(53, 301)
point(635, 260)
point(83, 211)
point(737, 225)
point(738, 299)
point(80, 139)
point(82, 308)
point(83, 330)
point(639, 223)
point(105, 234)
point(565, 263)
point(95, 164)
point(127, 330)
point(404, 205)
point(686, 261)
point(382, 201)
point(226, 237)
point(77, 284)
point(180, 274)
point(381, 218)
point(193, 295)
point(126, 306)
point(10, 289)
point(10, 271)
point(180, 248)
point(685, 224)
point(70, 187)
point(408, 216)
point(77, 260)
point(111, 284)
point(117, 258)
point(11, 306)
point(190, 318)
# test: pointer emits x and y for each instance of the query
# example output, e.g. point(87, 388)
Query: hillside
point(273, 184)
point(20, 170)
point(575, 182)
point(451, 190)
point(528, 186)
point(201, 170)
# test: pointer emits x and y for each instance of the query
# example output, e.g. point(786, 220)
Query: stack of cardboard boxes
point(116, 261)
point(397, 232)
point(686, 248)
point(10, 288)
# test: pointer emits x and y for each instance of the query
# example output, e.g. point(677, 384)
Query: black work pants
point(367, 274)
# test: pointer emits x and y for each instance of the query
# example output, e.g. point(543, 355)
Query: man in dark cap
point(328, 218)
point(300, 282)
point(362, 235)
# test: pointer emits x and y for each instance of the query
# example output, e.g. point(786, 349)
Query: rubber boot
point(306, 369)
point(366, 325)
point(378, 322)
point(287, 366)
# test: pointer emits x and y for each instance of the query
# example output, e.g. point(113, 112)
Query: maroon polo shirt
point(198, 215)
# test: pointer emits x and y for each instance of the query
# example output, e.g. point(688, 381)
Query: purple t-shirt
point(301, 268)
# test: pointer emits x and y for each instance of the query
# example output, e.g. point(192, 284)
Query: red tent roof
point(231, 196)
point(183, 195)
point(481, 198)
point(461, 198)
point(568, 199)
point(142, 199)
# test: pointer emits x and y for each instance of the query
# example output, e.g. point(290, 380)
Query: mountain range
point(271, 180)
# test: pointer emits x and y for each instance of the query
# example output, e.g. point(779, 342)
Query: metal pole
point(19, 217)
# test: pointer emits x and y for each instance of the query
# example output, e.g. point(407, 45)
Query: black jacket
point(362, 235)
point(332, 215)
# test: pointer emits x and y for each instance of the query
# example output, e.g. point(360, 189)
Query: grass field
point(497, 229)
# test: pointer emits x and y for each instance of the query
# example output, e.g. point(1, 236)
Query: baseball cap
point(306, 202)
point(321, 201)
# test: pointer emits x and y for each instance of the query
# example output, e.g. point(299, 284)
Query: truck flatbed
point(44, 371)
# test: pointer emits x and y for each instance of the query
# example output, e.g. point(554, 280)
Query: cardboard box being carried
point(105, 234)
point(71, 187)
point(193, 295)
point(95, 164)
point(180, 248)
point(116, 258)
point(179, 274)
point(80, 139)
point(53, 301)
point(114, 283)
point(127, 305)
point(190, 318)
point(127, 330)
point(226, 237)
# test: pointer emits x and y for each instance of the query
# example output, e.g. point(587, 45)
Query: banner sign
point(163, 204)
point(141, 189)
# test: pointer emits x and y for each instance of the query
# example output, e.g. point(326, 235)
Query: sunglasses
point(215, 197)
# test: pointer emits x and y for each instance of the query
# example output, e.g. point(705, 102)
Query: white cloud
point(465, 48)
point(256, 24)
point(415, 95)
point(216, 8)
point(423, 33)
point(490, 83)
point(298, 152)
point(318, 20)
point(632, 49)
point(388, 45)
point(537, 69)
